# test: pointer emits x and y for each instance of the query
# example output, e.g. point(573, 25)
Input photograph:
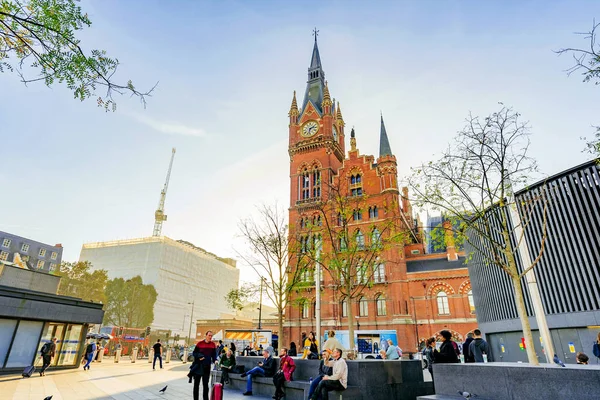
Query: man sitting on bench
point(266, 368)
point(337, 381)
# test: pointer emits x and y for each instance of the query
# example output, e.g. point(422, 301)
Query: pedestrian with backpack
point(90, 350)
point(48, 351)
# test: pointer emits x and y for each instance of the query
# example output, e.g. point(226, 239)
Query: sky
point(226, 70)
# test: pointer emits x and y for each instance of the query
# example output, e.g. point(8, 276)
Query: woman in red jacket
point(285, 372)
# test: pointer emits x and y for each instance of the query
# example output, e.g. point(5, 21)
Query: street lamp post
point(416, 323)
point(191, 319)
point(260, 304)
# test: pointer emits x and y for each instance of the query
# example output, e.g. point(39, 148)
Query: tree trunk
point(350, 307)
point(280, 335)
point(520, 303)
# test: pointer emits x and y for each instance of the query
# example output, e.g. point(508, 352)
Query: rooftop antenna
point(159, 214)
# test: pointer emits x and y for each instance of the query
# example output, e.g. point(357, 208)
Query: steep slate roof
point(435, 264)
point(384, 143)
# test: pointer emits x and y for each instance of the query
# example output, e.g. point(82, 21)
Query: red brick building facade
point(414, 293)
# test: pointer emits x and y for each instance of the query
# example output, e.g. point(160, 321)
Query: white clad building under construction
point(181, 273)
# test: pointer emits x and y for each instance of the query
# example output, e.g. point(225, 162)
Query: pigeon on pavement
point(558, 361)
point(48, 398)
point(163, 389)
point(467, 395)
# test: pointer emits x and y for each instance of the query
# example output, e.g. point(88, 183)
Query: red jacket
point(286, 364)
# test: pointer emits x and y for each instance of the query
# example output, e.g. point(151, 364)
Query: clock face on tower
point(335, 134)
point(310, 128)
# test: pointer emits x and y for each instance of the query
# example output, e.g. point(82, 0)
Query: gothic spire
point(384, 143)
point(316, 79)
point(294, 106)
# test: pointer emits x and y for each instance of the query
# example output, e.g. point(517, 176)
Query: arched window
point(356, 215)
point(360, 240)
point(316, 183)
point(373, 212)
point(379, 275)
point(363, 307)
point(343, 244)
point(442, 303)
point(361, 273)
point(471, 301)
point(305, 185)
point(344, 306)
point(340, 221)
point(305, 307)
point(356, 185)
point(381, 305)
point(376, 238)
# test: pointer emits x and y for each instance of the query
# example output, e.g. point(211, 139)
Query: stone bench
point(445, 397)
point(367, 379)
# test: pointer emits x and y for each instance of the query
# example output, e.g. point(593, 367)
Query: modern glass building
point(31, 314)
point(568, 273)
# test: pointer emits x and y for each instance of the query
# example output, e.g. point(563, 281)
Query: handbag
point(278, 378)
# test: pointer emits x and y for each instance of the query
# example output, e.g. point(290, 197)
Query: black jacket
point(477, 348)
point(269, 366)
point(325, 370)
point(446, 354)
point(467, 351)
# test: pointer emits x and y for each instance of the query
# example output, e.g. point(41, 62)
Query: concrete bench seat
point(367, 379)
point(445, 397)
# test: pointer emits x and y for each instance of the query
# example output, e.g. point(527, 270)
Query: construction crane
point(159, 214)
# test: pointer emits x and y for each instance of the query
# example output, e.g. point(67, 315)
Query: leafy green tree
point(129, 303)
point(587, 62)
point(472, 185)
point(38, 41)
point(238, 298)
point(77, 280)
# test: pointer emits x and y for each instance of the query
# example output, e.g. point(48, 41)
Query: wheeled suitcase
point(28, 371)
point(217, 392)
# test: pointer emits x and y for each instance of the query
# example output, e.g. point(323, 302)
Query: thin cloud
point(170, 128)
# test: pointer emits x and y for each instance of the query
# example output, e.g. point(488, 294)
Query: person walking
point(466, 351)
point(226, 363)
point(392, 352)
point(446, 354)
point(338, 379)
point(48, 351)
point(285, 373)
point(479, 347)
point(428, 355)
point(90, 351)
point(266, 367)
point(157, 354)
point(311, 347)
point(205, 353)
point(324, 370)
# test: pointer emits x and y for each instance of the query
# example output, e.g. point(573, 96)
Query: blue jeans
point(89, 359)
point(314, 385)
point(258, 371)
point(154, 361)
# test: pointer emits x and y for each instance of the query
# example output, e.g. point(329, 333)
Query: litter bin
point(168, 356)
point(117, 355)
point(134, 354)
point(185, 356)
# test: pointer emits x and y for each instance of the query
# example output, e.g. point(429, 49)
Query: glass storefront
point(51, 330)
point(7, 330)
point(70, 345)
point(25, 344)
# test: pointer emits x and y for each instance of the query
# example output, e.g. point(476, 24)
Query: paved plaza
point(107, 381)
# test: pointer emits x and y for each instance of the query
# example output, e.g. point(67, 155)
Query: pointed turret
point(338, 113)
point(316, 80)
point(293, 114)
point(384, 143)
point(326, 104)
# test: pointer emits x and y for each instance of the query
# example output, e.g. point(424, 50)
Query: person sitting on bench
point(266, 367)
point(337, 381)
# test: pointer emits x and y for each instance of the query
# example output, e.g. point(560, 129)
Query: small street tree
point(472, 185)
point(351, 253)
point(38, 42)
point(77, 280)
point(238, 298)
point(587, 62)
point(270, 249)
point(130, 303)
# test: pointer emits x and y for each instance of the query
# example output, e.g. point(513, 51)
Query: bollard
point(185, 356)
point(168, 356)
point(117, 355)
point(134, 354)
point(100, 355)
point(150, 355)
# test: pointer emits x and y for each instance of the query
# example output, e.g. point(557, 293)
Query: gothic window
point(343, 245)
point(304, 244)
point(376, 238)
point(471, 301)
point(363, 307)
point(305, 183)
point(356, 185)
point(305, 307)
point(344, 306)
point(356, 215)
point(307, 275)
point(379, 272)
point(317, 242)
point(442, 303)
point(339, 219)
point(360, 240)
point(316, 183)
point(361, 273)
point(381, 305)
point(373, 212)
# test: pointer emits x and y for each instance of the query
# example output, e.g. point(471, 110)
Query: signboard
point(572, 347)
